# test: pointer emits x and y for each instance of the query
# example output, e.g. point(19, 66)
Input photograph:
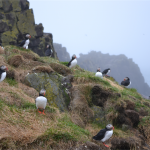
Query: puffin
point(72, 62)
point(25, 42)
point(98, 73)
point(126, 82)
point(106, 72)
point(48, 52)
point(41, 101)
point(104, 134)
point(3, 73)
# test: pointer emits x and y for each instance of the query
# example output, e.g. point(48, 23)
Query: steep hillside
point(79, 105)
point(120, 65)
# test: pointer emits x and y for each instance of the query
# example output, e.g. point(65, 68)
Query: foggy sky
point(110, 26)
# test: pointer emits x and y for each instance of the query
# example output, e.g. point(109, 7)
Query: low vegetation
point(22, 125)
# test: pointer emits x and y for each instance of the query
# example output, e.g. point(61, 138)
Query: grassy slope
point(21, 124)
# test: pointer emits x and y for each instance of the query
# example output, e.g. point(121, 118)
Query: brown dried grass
point(46, 69)
point(61, 69)
point(1, 50)
point(79, 105)
point(113, 84)
point(29, 55)
point(15, 60)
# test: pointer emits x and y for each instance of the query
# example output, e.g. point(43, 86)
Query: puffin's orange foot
point(105, 144)
point(39, 111)
point(43, 112)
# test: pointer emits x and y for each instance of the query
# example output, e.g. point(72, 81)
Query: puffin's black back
point(1, 71)
point(105, 71)
point(70, 62)
point(22, 43)
point(100, 134)
point(125, 83)
point(48, 51)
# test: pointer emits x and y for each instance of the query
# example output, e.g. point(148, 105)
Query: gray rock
point(3, 26)
point(55, 93)
point(99, 115)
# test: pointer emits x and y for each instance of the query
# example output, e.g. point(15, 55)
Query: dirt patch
point(99, 96)
point(16, 60)
point(130, 105)
point(28, 90)
point(127, 144)
point(79, 105)
point(61, 69)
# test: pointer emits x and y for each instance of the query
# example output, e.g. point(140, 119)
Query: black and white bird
point(41, 101)
point(3, 73)
point(126, 82)
point(48, 52)
point(104, 134)
point(25, 42)
point(98, 73)
point(106, 72)
point(72, 62)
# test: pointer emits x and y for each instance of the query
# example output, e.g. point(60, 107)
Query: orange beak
point(30, 36)
point(44, 93)
point(113, 128)
point(6, 68)
point(124, 79)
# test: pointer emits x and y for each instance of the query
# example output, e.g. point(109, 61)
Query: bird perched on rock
point(98, 73)
point(3, 73)
point(48, 52)
point(41, 101)
point(106, 72)
point(72, 62)
point(126, 82)
point(104, 134)
point(25, 42)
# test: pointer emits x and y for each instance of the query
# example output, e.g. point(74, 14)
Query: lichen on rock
point(51, 83)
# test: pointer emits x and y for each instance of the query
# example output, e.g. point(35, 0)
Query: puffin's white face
point(28, 36)
point(47, 46)
point(109, 126)
point(126, 78)
point(74, 56)
point(98, 69)
point(43, 92)
point(4, 68)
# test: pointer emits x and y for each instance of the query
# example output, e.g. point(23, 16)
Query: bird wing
point(1, 71)
point(100, 135)
point(22, 43)
point(125, 83)
point(69, 63)
point(105, 71)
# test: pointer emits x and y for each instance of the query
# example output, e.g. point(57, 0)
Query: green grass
point(64, 63)
point(11, 82)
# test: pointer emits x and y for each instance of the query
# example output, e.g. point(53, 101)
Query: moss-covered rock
point(26, 23)
point(16, 20)
point(99, 115)
point(55, 93)
point(3, 26)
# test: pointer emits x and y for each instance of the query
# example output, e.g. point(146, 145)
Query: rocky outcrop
point(16, 19)
point(55, 94)
point(62, 53)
